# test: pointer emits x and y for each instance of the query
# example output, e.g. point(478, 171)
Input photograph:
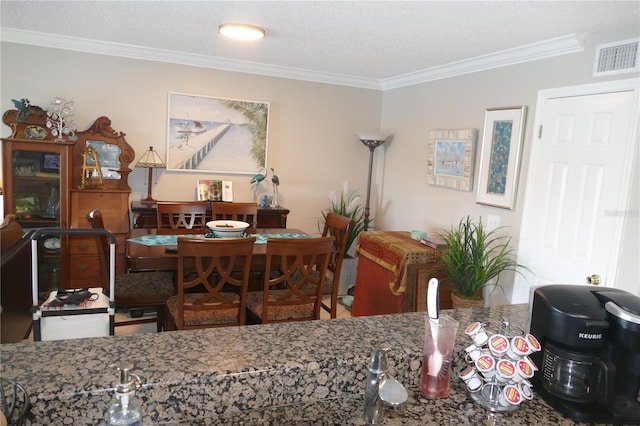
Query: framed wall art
point(450, 158)
point(500, 156)
point(216, 135)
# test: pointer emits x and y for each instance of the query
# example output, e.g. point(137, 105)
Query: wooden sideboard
point(393, 273)
point(145, 216)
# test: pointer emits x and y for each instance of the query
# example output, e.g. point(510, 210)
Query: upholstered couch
point(15, 281)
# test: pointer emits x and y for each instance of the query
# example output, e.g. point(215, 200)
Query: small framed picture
point(450, 158)
point(51, 163)
point(26, 203)
point(215, 190)
point(500, 158)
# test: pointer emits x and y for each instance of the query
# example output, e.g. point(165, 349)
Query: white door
point(578, 185)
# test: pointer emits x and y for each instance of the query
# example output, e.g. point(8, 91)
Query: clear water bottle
point(126, 409)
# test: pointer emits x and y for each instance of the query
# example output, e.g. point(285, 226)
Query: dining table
point(148, 250)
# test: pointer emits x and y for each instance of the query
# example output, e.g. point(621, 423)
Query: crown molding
point(532, 52)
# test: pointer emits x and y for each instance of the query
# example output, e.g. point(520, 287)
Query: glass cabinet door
point(36, 181)
point(36, 188)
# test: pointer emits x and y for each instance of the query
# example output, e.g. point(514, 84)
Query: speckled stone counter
point(296, 373)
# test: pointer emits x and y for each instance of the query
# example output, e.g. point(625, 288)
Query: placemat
point(172, 240)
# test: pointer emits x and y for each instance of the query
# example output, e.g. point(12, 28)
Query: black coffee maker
point(590, 358)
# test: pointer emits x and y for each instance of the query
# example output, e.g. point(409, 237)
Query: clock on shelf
point(51, 243)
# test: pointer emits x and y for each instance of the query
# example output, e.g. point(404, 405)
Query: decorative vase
point(461, 302)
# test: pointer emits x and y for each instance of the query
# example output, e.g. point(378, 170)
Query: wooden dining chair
point(294, 277)
point(144, 290)
point(208, 272)
point(187, 216)
point(245, 212)
point(339, 227)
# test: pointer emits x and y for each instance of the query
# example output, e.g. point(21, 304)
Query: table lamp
point(372, 141)
point(151, 160)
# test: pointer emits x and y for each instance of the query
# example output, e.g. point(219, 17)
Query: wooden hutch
point(44, 188)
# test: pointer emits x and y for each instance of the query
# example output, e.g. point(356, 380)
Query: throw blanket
point(394, 251)
point(172, 240)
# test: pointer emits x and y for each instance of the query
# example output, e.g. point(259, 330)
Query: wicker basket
point(460, 302)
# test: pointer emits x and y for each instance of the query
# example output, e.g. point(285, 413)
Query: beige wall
point(312, 145)
point(311, 137)
point(409, 203)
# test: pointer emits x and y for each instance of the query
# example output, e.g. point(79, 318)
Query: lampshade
point(372, 139)
point(150, 159)
point(372, 136)
point(241, 31)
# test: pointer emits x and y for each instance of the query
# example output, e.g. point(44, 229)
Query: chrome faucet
point(383, 392)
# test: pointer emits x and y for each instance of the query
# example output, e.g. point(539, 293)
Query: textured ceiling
point(375, 40)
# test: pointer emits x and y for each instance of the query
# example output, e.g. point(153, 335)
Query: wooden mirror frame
point(101, 131)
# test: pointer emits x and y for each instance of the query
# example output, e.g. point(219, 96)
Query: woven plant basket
point(460, 302)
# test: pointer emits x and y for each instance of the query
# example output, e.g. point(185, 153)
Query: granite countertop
point(295, 373)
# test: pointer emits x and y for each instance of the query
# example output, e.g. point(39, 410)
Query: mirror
point(114, 155)
point(108, 157)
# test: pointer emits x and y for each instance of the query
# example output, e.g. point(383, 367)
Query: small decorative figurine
point(276, 182)
point(24, 109)
point(60, 119)
point(260, 176)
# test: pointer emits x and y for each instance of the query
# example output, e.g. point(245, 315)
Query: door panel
point(580, 171)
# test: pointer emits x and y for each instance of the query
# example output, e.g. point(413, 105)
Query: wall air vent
point(617, 58)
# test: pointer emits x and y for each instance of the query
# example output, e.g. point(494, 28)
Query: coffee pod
point(524, 370)
point(505, 370)
point(498, 345)
point(476, 332)
point(527, 383)
point(510, 395)
point(525, 391)
point(486, 365)
point(471, 378)
point(533, 343)
point(518, 347)
point(531, 363)
point(472, 353)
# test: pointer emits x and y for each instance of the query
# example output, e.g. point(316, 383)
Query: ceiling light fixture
point(241, 31)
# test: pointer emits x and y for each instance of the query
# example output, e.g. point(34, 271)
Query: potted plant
point(346, 204)
point(474, 257)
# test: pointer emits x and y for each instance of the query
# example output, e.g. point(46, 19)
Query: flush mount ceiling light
point(241, 31)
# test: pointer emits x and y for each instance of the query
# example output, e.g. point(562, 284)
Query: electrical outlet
point(493, 222)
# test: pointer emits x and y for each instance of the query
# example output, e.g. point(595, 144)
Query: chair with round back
point(293, 282)
point(187, 216)
point(245, 212)
point(213, 279)
point(339, 227)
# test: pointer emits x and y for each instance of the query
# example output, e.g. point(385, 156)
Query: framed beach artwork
point(500, 158)
point(216, 135)
point(450, 158)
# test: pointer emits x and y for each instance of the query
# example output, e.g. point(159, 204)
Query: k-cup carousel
point(499, 369)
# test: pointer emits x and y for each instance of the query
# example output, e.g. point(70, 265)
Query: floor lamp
point(372, 141)
point(151, 160)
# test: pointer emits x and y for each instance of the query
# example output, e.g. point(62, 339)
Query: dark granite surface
point(288, 374)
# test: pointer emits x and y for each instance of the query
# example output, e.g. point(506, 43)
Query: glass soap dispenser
point(126, 409)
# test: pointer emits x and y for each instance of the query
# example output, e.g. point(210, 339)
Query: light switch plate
point(493, 222)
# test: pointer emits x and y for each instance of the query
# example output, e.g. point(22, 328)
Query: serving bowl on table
point(228, 228)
